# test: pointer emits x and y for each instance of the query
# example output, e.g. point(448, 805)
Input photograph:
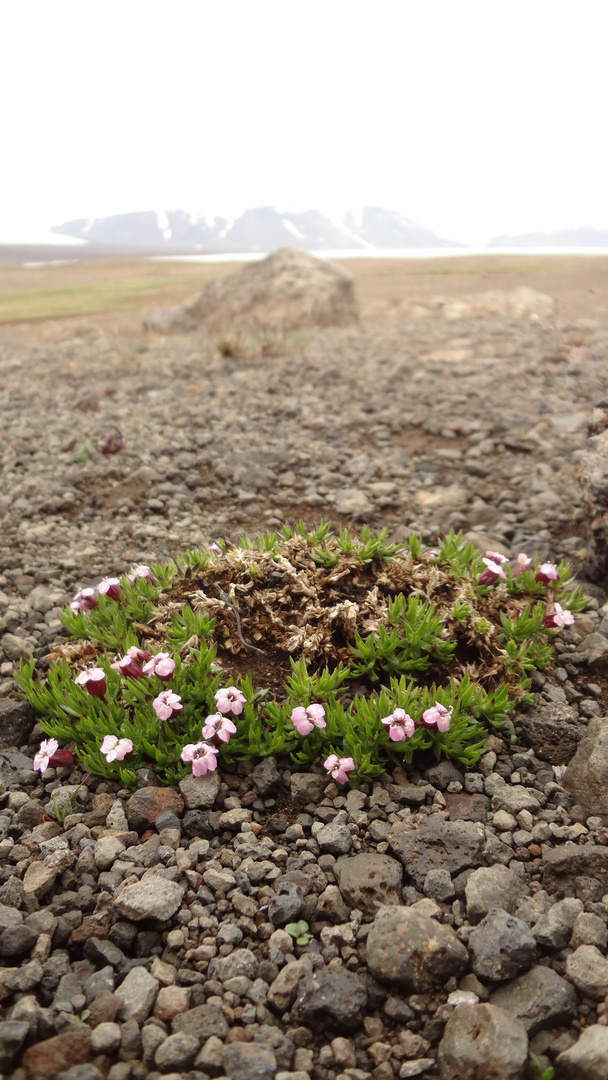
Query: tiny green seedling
point(61, 815)
point(542, 1074)
point(299, 931)
point(87, 452)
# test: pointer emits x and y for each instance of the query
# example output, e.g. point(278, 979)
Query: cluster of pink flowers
point(167, 705)
point(401, 726)
point(339, 768)
point(162, 665)
point(218, 728)
point(85, 600)
point(546, 573)
point(559, 617)
point(494, 563)
point(202, 757)
point(94, 678)
point(115, 749)
point(307, 719)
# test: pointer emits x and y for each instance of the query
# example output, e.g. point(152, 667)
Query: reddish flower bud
point(61, 757)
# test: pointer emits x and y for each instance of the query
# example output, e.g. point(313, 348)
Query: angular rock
point(501, 946)
point(587, 774)
point(436, 844)
point(266, 776)
point(288, 289)
point(588, 970)
point(492, 887)
point(200, 791)
point(177, 1052)
point(151, 898)
point(147, 803)
point(70, 1047)
point(284, 988)
point(514, 798)
point(550, 728)
point(286, 905)
point(105, 1038)
point(369, 880)
point(553, 929)
point(17, 940)
point(588, 1058)
point(589, 930)
point(540, 999)
point(17, 719)
point(238, 962)
point(137, 994)
point(247, 1061)
point(202, 1021)
point(331, 997)
point(335, 839)
point(565, 864)
point(13, 1034)
point(38, 879)
point(352, 503)
point(595, 648)
point(412, 950)
point(462, 807)
point(307, 788)
point(483, 1041)
point(594, 483)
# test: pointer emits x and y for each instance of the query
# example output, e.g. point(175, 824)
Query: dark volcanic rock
point(413, 950)
point(540, 998)
point(564, 865)
point(333, 998)
point(17, 719)
point(436, 844)
point(366, 881)
point(549, 728)
point(587, 774)
point(483, 1041)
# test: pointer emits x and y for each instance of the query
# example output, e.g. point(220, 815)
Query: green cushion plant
point(340, 650)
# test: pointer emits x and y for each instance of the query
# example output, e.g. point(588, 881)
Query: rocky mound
point(289, 289)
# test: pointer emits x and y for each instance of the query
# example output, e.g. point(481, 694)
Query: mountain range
point(263, 229)
point(562, 238)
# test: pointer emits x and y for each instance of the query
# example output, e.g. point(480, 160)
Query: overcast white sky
point(472, 117)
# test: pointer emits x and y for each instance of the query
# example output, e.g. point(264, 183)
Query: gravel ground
point(161, 915)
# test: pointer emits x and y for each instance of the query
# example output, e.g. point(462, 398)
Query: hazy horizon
point(473, 121)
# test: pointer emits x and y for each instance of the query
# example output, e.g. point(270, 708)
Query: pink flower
point(496, 557)
point(109, 587)
point(230, 700)
point(305, 720)
point(547, 572)
point(202, 757)
point(215, 549)
point(141, 655)
point(167, 705)
point(399, 725)
point(94, 678)
point(85, 600)
point(437, 717)
point(219, 727)
point(128, 667)
point(115, 749)
point(141, 572)
point(493, 571)
point(523, 562)
point(45, 753)
point(161, 665)
point(558, 618)
point(339, 767)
